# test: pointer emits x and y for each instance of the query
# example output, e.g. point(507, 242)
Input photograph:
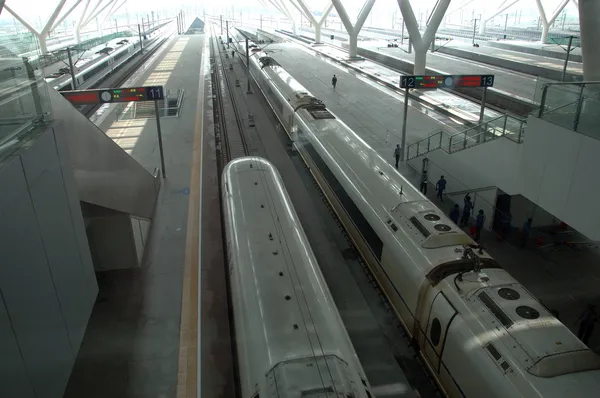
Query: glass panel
point(561, 104)
point(24, 100)
point(589, 118)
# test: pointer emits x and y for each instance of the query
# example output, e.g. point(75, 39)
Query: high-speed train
point(101, 61)
point(480, 332)
point(291, 341)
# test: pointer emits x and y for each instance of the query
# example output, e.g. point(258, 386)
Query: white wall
point(559, 172)
point(47, 281)
point(493, 164)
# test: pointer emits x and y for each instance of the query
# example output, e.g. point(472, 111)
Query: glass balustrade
point(575, 106)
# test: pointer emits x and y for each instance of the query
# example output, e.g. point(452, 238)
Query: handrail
point(583, 83)
point(462, 140)
point(580, 85)
point(471, 190)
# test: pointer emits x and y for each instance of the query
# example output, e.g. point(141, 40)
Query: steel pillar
point(503, 7)
point(421, 43)
point(304, 10)
point(589, 14)
point(546, 23)
point(353, 31)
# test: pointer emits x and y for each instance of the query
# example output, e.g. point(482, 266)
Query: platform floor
point(521, 85)
point(131, 345)
point(564, 279)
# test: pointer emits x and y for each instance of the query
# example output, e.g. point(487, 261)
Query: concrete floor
point(131, 345)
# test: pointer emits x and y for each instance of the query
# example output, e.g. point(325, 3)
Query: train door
point(440, 316)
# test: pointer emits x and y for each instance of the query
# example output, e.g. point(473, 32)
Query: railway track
point(116, 79)
point(416, 371)
point(229, 129)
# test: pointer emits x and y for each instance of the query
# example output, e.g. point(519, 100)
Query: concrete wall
point(47, 281)
point(559, 172)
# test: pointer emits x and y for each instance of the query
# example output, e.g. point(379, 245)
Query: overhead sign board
point(110, 95)
point(446, 81)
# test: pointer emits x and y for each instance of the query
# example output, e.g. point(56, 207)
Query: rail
point(233, 142)
point(503, 126)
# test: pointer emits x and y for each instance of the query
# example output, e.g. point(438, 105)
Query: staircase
point(501, 127)
point(168, 107)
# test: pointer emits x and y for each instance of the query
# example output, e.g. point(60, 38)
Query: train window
point(436, 331)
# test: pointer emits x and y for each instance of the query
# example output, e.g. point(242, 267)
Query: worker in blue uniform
point(424, 182)
point(455, 214)
point(479, 225)
point(441, 187)
point(466, 211)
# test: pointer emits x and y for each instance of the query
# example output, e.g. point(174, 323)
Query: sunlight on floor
point(162, 72)
point(126, 133)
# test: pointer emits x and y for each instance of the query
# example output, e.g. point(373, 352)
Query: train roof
point(538, 341)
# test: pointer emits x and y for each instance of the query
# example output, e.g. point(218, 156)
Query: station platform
point(429, 112)
point(551, 50)
point(131, 347)
point(529, 54)
point(564, 279)
point(460, 57)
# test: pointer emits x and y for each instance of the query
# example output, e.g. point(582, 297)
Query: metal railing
point(573, 105)
point(169, 107)
point(503, 126)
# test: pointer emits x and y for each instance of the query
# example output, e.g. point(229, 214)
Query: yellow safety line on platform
point(188, 335)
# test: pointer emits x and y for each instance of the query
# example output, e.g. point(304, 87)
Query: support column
point(80, 22)
point(546, 23)
point(317, 33)
point(421, 44)
point(304, 10)
point(353, 31)
point(589, 15)
point(503, 7)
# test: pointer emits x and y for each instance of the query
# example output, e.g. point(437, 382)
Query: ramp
point(105, 174)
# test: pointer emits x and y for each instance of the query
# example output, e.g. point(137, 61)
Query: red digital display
point(446, 81)
point(82, 97)
point(109, 95)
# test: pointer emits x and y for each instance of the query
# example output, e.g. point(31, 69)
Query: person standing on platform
point(526, 232)
point(506, 219)
point(232, 53)
point(479, 225)
point(466, 211)
point(424, 182)
point(455, 214)
point(587, 320)
point(334, 81)
point(441, 187)
point(396, 153)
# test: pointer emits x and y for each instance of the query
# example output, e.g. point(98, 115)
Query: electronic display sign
point(446, 81)
point(110, 95)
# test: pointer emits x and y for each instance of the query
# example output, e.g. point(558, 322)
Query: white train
point(91, 70)
point(291, 341)
point(481, 333)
